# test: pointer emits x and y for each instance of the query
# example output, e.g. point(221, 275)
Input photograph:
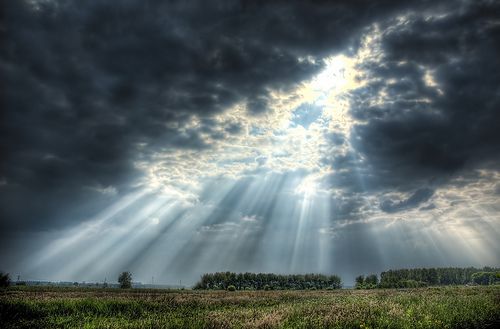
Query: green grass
point(443, 307)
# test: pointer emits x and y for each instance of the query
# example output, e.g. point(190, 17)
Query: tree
point(360, 280)
point(372, 279)
point(125, 280)
point(4, 280)
point(484, 278)
point(259, 281)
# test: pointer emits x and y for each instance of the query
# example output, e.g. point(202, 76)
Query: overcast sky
point(174, 138)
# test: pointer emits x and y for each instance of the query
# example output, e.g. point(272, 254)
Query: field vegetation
point(433, 307)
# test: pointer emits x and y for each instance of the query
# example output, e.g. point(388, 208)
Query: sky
point(174, 138)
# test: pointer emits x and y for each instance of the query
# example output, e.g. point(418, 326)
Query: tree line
point(401, 278)
point(422, 277)
point(267, 281)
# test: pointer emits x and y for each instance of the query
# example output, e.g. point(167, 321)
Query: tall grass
point(444, 307)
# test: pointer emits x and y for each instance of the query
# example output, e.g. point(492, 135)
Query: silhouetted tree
point(125, 280)
point(4, 280)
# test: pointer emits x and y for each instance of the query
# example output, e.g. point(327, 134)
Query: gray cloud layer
point(86, 83)
point(423, 134)
point(90, 87)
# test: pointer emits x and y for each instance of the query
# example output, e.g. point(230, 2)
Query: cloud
point(411, 127)
point(281, 119)
point(109, 190)
point(250, 219)
point(417, 116)
point(219, 228)
point(99, 86)
point(420, 196)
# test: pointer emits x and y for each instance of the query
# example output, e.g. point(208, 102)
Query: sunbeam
point(173, 140)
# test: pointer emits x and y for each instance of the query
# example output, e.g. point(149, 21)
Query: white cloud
point(107, 191)
point(264, 143)
point(249, 219)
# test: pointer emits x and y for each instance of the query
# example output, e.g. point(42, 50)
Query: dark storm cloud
point(86, 83)
point(423, 133)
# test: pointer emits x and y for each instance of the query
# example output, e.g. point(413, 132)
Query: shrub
point(4, 280)
point(231, 288)
point(125, 280)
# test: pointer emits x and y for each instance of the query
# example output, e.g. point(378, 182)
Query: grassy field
point(444, 307)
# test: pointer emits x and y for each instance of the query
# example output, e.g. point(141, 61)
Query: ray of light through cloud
point(252, 153)
point(290, 224)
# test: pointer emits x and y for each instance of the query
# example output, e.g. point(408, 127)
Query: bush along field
point(424, 277)
point(433, 307)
